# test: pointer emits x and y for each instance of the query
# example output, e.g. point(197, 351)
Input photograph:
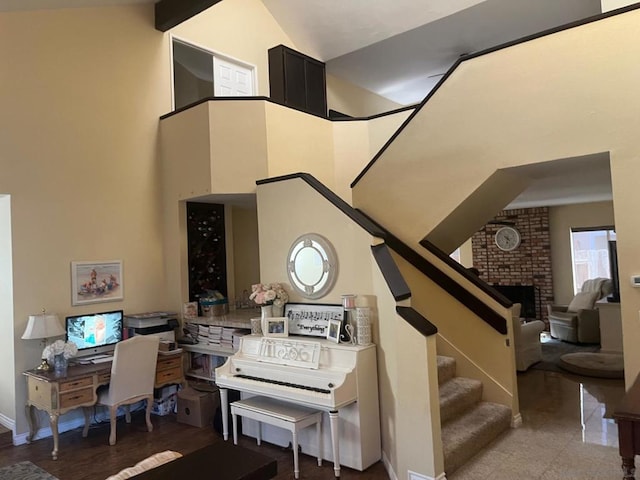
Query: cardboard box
point(197, 408)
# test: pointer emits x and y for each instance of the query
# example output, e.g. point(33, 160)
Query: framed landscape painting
point(96, 282)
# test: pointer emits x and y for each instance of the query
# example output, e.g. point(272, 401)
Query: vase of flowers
point(271, 297)
point(58, 355)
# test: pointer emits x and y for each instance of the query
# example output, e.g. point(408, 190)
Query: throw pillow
point(582, 301)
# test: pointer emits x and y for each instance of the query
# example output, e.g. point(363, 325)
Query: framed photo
point(311, 319)
point(96, 282)
point(190, 310)
point(333, 331)
point(275, 327)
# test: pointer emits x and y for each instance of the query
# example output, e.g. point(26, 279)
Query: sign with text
point(311, 319)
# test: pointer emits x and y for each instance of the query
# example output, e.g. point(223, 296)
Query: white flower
point(67, 349)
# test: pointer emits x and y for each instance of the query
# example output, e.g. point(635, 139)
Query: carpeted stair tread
point(467, 434)
point(457, 395)
point(446, 368)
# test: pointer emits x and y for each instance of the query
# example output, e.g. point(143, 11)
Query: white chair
point(133, 374)
point(526, 339)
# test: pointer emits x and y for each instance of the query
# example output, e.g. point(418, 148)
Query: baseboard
point(516, 421)
point(388, 467)
point(71, 424)
point(418, 476)
point(7, 422)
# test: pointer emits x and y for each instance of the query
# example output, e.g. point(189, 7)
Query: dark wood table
point(627, 416)
point(220, 460)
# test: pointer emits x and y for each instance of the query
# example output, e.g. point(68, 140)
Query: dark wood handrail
point(474, 304)
point(391, 273)
point(480, 53)
point(270, 100)
point(417, 321)
point(477, 306)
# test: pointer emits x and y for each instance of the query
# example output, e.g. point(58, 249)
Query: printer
point(161, 324)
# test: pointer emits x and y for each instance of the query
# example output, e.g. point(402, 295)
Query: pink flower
point(268, 294)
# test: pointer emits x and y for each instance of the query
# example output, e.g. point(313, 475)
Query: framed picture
point(275, 327)
point(190, 310)
point(96, 282)
point(311, 319)
point(333, 331)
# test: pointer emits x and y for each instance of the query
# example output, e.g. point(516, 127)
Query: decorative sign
point(311, 319)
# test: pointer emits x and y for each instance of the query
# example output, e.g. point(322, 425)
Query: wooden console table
point(627, 416)
point(59, 395)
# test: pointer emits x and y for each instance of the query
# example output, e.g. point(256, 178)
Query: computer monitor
point(95, 333)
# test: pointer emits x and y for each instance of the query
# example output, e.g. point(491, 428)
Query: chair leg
point(127, 413)
point(148, 413)
point(87, 421)
point(113, 410)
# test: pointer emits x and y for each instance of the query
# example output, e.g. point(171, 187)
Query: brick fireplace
point(529, 265)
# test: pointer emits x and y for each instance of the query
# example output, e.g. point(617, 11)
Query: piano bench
point(279, 414)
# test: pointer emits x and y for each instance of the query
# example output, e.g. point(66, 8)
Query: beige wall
point(246, 254)
point(407, 410)
point(350, 99)
point(561, 220)
point(585, 105)
point(78, 129)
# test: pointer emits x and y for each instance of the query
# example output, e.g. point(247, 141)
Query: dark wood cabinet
point(297, 80)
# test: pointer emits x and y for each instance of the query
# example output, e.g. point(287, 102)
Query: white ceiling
point(401, 48)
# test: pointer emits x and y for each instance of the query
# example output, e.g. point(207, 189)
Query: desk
point(58, 395)
point(627, 416)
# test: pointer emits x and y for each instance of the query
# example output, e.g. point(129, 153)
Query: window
point(590, 254)
point(199, 73)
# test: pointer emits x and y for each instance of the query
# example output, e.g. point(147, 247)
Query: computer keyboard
point(95, 357)
point(102, 360)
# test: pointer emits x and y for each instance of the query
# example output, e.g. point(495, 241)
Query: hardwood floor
point(92, 458)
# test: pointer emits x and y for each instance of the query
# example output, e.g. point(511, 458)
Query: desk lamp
point(43, 326)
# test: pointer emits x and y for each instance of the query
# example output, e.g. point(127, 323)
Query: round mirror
point(312, 265)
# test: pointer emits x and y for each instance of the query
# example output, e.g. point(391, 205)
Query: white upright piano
point(340, 379)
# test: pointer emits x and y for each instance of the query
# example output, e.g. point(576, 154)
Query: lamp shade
point(45, 325)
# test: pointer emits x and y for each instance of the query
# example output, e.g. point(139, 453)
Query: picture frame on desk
point(96, 282)
point(275, 327)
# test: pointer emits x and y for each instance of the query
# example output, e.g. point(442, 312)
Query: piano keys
point(340, 379)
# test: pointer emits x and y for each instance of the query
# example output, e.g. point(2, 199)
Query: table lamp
point(42, 327)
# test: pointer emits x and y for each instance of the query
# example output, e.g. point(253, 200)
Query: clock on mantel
point(507, 238)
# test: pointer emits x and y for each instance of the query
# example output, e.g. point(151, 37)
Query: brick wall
point(529, 264)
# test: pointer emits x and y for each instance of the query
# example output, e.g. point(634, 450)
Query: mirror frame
point(329, 272)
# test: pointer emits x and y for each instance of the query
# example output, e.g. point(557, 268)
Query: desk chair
point(133, 374)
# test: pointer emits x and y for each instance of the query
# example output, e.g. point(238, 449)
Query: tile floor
point(567, 432)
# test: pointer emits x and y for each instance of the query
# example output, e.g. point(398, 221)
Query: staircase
point(468, 423)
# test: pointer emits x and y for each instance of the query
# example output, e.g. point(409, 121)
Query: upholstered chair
point(579, 322)
point(526, 339)
point(133, 374)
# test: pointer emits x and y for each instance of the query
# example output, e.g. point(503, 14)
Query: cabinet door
point(294, 80)
point(315, 88)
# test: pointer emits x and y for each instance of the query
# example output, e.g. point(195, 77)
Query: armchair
point(579, 322)
point(133, 374)
point(526, 340)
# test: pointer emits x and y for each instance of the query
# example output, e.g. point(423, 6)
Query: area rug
point(24, 471)
point(553, 349)
point(601, 365)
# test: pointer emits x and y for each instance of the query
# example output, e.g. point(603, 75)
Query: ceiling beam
point(170, 13)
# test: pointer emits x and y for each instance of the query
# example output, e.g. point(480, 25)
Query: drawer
point(77, 397)
point(76, 383)
point(171, 375)
point(40, 393)
point(104, 378)
point(169, 362)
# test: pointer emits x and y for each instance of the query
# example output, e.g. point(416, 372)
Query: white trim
point(388, 467)
point(213, 53)
point(516, 421)
point(418, 476)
